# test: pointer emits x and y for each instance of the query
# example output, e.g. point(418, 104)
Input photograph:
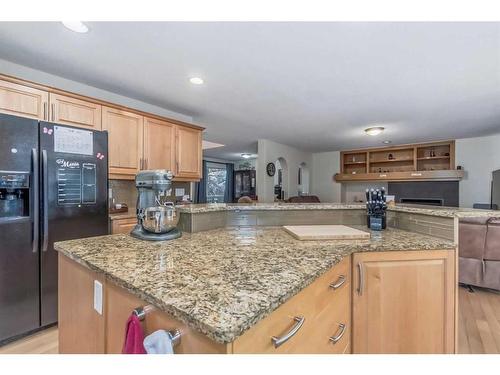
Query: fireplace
point(435, 193)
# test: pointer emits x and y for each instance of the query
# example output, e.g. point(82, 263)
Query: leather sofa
point(479, 252)
point(304, 199)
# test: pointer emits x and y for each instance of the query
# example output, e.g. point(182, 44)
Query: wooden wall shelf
point(412, 162)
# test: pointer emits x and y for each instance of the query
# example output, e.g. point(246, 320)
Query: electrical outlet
point(98, 297)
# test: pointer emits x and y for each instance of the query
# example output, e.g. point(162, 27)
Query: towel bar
point(140, 312)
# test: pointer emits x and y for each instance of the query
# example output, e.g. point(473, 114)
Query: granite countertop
point(416, 209)
point(221, 282)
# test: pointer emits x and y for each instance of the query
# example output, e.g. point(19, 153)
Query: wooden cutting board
point(326, 232)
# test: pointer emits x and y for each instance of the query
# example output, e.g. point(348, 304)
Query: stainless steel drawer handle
point(278, 341)
point(338, 336)
point(340, 281)
point(416, 174)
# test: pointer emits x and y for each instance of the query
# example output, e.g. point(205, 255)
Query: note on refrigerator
point(73, 141)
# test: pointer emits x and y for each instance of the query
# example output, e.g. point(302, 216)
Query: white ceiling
point(315, 86)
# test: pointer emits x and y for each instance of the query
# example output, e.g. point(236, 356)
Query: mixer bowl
point(160, 219)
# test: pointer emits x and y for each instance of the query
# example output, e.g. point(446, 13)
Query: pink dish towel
point(134, 337)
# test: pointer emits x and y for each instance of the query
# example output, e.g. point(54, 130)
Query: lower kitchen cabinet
point(123, 225)
point(316, 320)
point(404, 302)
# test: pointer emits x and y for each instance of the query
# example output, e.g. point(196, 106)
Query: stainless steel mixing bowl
point(160, 219)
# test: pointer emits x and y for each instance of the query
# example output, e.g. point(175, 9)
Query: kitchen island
point(242, 289)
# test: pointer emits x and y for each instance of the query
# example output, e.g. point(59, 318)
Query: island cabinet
point(404, 302)
point(316, 320)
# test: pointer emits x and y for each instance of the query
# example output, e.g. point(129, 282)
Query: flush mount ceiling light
point(76, 26)
point(375, 130)
point(196, 80)
point(386, 142)
point(246, 156)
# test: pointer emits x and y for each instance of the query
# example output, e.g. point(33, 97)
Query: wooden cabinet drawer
point(258, 339)
point(323, 309)
point(333, 321)
point(123, 225)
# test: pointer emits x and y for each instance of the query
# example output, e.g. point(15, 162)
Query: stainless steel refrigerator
point(53, 187)
point(495, 189)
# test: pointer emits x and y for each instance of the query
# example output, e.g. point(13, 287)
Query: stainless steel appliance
point(53, 187)
point(156, 218)
point(495, 189)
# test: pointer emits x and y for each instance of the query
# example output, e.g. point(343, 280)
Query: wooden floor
point(478, 328)
point(44, 342)
point(478, 321)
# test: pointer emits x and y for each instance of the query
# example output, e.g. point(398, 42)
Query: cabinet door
point(404, 302)
point(74, 112)
point(123, 225)
point(188, 155)
point(125, 137)
point(159, 144)
point(19, 100)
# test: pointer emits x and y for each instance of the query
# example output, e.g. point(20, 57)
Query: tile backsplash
point(124, 191)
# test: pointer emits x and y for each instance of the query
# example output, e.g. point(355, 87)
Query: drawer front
point(324, 309)
point(330, 330)
point(258, 339)
point(324, 291)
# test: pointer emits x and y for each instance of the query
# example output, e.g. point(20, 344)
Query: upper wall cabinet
point(125, 142)
point(159, 144)
point(415, 162)
point(75, 112)
point(189, 153)
point(19, 100)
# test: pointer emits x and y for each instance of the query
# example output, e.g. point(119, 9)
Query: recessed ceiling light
point(246, 156)
point(375, 130)
point(196, 80)
point(386, 142)
point(76, 26)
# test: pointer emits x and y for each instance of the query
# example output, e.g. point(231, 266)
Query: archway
point(281, 190)
point(303, 179)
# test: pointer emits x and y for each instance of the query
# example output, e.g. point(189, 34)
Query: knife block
point(376, 222)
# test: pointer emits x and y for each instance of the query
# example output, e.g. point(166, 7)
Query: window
point(216, 182)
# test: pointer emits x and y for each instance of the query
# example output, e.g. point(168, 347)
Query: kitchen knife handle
point(45, 182)
point(36, 201)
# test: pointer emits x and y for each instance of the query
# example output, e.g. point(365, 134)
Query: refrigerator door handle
point(36, 201)
point(45, 183)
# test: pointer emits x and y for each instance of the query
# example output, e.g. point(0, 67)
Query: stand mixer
point(156, 219)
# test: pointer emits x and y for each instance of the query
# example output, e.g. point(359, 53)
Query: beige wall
point(23, 72)
point(269, 151)
point(324, 167)
point(479, 157)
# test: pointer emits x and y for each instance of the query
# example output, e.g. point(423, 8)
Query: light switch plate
point(98, 297)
